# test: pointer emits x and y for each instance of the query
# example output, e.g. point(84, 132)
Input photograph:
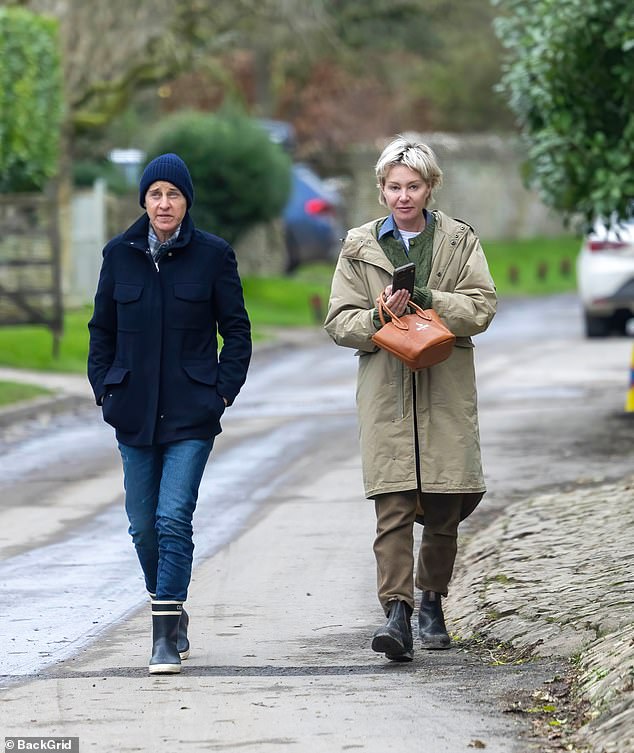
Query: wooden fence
point(30, 262)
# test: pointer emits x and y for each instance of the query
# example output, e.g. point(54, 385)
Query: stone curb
point(27, 410)
point(554, 576)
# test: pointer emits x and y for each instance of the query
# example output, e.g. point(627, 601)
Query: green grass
point(296, 301)
point(528, 267)
point(537, 266)
point(12, 392)
point(31, 347)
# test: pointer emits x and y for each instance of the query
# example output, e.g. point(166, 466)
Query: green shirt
point(420, 252)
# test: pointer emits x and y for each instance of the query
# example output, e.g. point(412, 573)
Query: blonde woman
point(419, 433)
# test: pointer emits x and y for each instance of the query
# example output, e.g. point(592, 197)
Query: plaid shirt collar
point(156, 247)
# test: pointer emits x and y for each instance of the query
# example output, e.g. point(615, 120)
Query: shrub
point(30, 100)
point(570, 80)
point(86, 172)
point(241, 178)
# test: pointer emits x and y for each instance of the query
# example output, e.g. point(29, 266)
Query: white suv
point(605, 277)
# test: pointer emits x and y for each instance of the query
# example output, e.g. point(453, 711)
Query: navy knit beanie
point(169, 167)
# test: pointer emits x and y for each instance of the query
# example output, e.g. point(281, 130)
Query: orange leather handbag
point(419, 339)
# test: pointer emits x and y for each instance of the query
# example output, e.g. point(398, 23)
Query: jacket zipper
point(152, 259)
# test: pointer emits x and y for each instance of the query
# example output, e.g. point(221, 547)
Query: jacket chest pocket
point(129, 301)
point(191, 306)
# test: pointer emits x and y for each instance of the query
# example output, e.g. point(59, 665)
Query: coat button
point(162, 415)
point(169, 253)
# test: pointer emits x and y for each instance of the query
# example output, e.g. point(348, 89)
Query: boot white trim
point(164, 669)
point(164, 612)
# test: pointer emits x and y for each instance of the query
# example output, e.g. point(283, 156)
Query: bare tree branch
point(113, 49)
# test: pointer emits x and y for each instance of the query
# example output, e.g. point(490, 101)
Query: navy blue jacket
point(153, 359)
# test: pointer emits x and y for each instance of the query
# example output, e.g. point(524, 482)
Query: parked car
point(314, 213)
point(313, 219)
point(605, 275)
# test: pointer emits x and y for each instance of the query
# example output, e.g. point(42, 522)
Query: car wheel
point(597, 326)
point(621, 322)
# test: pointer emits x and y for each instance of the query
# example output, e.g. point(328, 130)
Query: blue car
point(313, 224)
point(313, 216)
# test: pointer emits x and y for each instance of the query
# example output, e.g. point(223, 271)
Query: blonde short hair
point(415, 155)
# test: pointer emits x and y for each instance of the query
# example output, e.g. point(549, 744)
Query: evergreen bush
point(569, 78)
point(30, 100)
point(241, 178)
point(86, 172)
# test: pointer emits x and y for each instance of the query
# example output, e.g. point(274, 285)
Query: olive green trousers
point(394, 544)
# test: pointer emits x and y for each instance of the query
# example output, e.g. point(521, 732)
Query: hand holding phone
point(403, 278)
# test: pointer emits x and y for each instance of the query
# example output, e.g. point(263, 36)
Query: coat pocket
point(191, 306)
point(202, 387)
point(120, 408)
point(115, 375)
point(128, 298)
point(464, 342)
point(201, 371)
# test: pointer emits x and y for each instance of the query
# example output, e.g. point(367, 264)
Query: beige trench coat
point(446, 404)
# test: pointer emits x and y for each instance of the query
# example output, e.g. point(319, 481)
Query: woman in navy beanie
point(171, 168)
point(166, 291)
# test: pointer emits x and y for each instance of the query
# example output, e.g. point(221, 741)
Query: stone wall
point(482, 186)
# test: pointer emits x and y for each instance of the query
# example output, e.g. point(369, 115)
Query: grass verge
point(13, 392)
point(535, 266)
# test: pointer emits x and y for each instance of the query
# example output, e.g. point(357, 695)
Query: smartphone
point(403, 278)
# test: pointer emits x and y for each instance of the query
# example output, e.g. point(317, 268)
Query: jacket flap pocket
point(201, 371)
point(126, 293)
point(192, 291)
point(464, 342)
point(116, 375)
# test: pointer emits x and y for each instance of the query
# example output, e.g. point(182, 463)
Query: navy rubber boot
point(165, 620)
point(182, 642)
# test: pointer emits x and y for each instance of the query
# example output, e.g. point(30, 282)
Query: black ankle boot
point(182, 642)
point(431, 622)
point(394, 639)
point(165, 618)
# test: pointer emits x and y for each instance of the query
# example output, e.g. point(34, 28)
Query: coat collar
point(362, 242)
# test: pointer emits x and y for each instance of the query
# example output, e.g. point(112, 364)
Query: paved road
point(282, 599)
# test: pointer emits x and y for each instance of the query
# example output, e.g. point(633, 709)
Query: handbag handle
point(382, 306)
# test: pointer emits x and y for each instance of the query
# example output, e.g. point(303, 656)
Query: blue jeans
point(161, 488)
